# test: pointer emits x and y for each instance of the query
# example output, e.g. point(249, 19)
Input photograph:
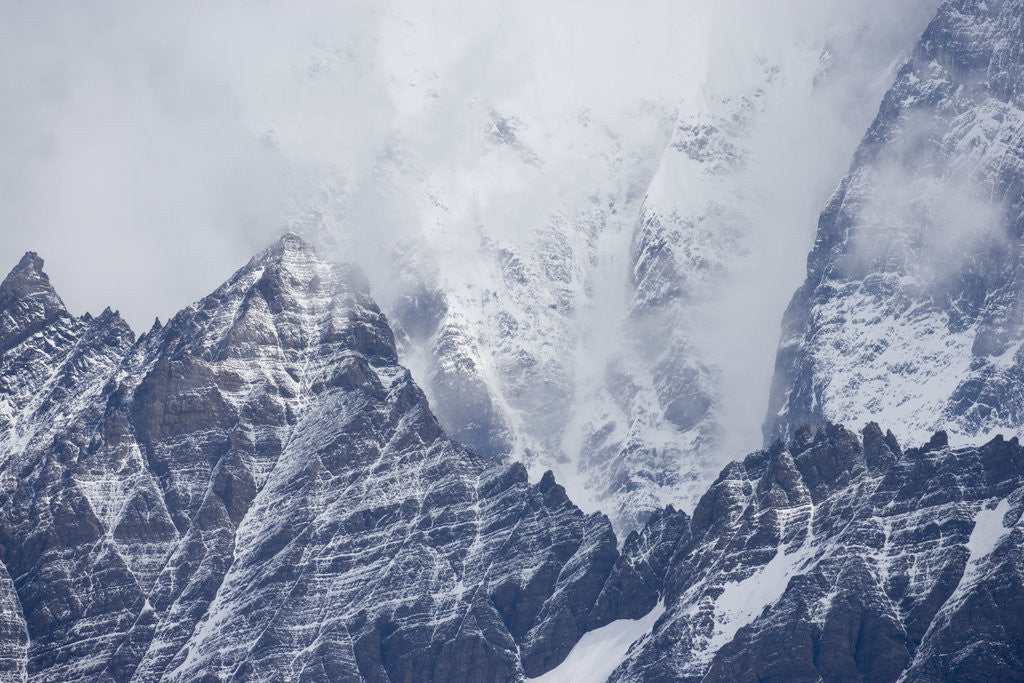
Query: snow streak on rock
point(600, 652)
point(593, 287)
point(257, 489)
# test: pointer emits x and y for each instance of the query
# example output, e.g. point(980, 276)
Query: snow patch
point(987, 532)
point(599, 652)
point(743, 601)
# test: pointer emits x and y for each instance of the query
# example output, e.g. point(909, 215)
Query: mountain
point(842, 558)
point(593, 287)
point(257, 490)
point(911, 312)
point(509, 325)
point(709, 251)
point(257, 487)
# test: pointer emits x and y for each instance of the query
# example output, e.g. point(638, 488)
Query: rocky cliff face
point(510, 336)
point(911, 311)
point(590, 324)
point(256, 490)
point(842, 558)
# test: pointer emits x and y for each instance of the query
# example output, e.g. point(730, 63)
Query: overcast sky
point(146, 150)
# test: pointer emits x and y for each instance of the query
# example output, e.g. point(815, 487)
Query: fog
point(147, 151)
point(834, 62)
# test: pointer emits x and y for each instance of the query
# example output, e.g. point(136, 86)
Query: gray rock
point(845, 559)
point(257, 490)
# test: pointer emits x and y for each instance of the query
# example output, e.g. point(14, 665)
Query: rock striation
point(842, 558)
point(258, 490)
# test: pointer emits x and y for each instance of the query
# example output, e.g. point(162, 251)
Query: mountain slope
point(258, 487)
point(566, 286)
point(257, 490)
point(911, 311)
point(838, 558)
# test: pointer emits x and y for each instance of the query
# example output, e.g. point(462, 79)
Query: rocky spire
point(27, 301)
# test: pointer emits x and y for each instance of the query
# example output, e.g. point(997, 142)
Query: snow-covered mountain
point(573, 278)
point(911, 312)
point(258, 491)
point(713, 246)
point(506, 175)
point(838, 558)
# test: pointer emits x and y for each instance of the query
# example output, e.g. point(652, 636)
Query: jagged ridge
point(838, 558)
point(911, 311)
point(257, 489)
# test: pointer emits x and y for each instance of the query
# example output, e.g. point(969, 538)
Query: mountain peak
point(289, 254)
point(285, 297)
point(31, 260)
point(27, 300)
point(289, 249)
point(292, 242)
point(26, 277)
point(293, 258)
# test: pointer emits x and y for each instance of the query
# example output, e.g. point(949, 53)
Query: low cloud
point(146, 151)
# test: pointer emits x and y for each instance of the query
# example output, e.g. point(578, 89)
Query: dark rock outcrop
point(257, 490)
